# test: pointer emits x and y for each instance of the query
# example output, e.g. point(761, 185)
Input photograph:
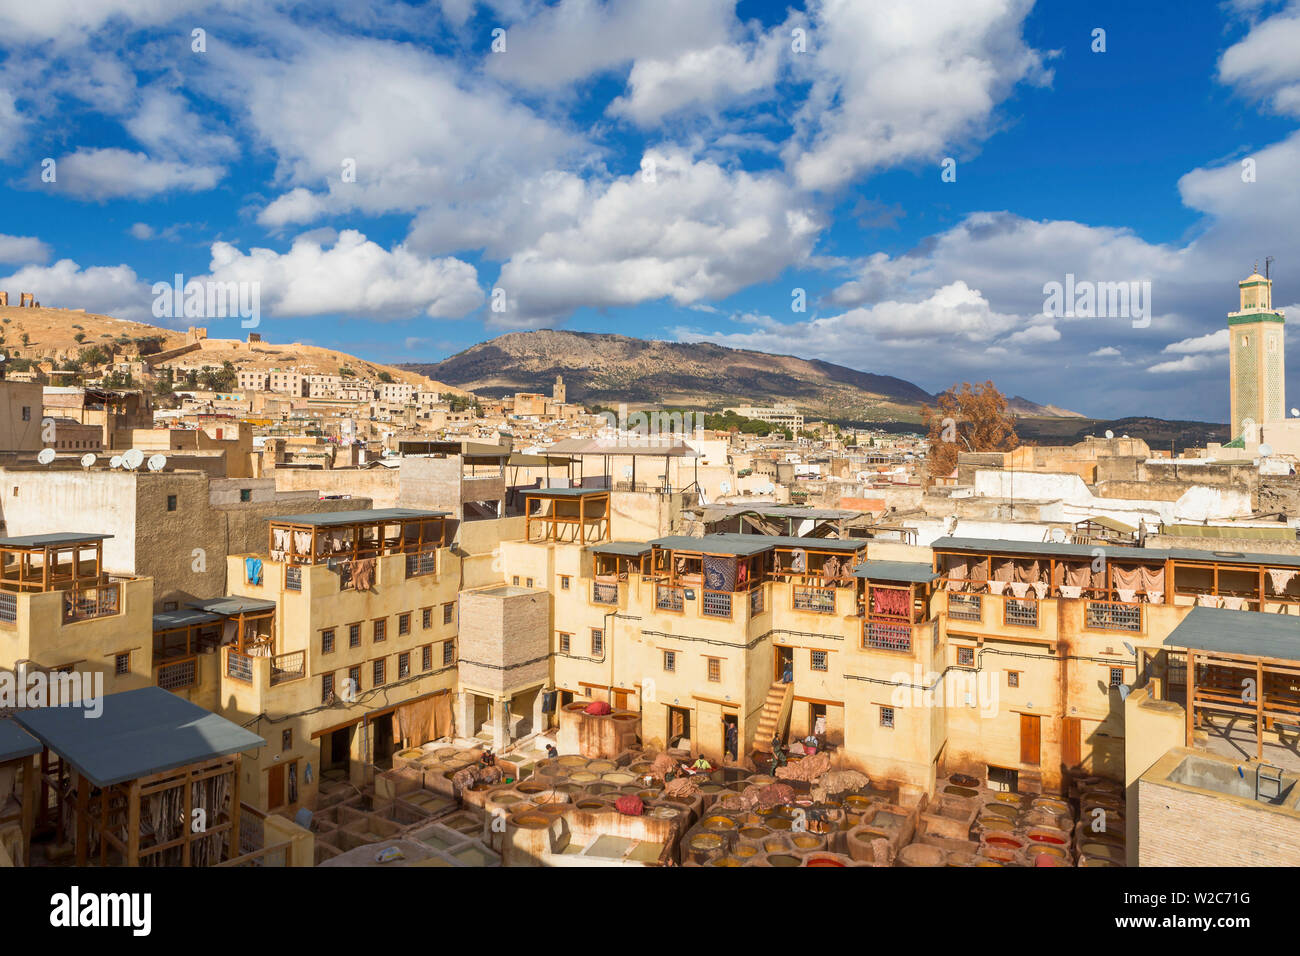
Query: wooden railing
point(178, 674)
point(287, 667)
point(83, 604)
point(1113, 616)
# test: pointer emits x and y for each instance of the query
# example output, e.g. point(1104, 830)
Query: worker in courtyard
point(552, 751)
point(731, 741)
point(489, 759)
point(778, 752)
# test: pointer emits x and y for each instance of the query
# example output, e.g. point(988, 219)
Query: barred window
point(564, 582)
point(564, 642)
point(404, 623)
point(379, 672)
point(403, 665)
point(597, 642)
point(966, 656)
point(426, 618)
point(1013, 678)
point(122, 664)
point(326, 687)
point(426, 657)
point(887, 717)
point(354, 635)
point(381, 630)
point(448, 653)
point(818, 662)
point(449, 611)
point(715, 669)
point(1116, 676)
point(670, 660)
point(327, 641)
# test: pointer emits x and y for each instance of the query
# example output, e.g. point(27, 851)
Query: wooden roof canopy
point(48, 562)
point(576, 514)
point(352, 535)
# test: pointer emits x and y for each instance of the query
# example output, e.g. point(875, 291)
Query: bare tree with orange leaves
point(967, 418)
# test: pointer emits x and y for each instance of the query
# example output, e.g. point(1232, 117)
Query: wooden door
point(275, 787)
point(620, 700)
point(1071, 742)
point(1029, 739)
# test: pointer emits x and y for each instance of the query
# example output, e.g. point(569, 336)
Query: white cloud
point(695, 232)
point(118, 173)
point(1106, 351)
point(1188, 363)
point(107, 290)
point(418, 131)
point(573, 39)
point(165, 124)
point(1211, 342)
point(356, 277)
point(19, 250)
point(896, 81)
point(1266, 63)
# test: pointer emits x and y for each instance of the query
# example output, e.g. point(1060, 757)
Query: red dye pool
point(1003, 841)
point(823, 861)
point(1045, 838)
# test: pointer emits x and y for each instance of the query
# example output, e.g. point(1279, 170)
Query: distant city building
point(787, 416)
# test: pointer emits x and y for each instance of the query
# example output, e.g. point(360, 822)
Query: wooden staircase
point(774, 716)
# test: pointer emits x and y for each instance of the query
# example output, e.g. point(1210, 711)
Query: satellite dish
point(46, 456)
point(1128, 647)
point(87, 460)
point(1124, 691)
point(133, 459)
point(1265, 450)
point(115, 462)
point(157, 462)
point(1295, 412)
point(724, 487)
point(627, 471)
point(1058, 535)
point(1109, 433)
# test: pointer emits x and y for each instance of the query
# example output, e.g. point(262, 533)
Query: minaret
point(558, 390)
point(1256, 365)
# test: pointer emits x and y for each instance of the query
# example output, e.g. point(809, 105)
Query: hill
point(60, 334)
point(606, 369)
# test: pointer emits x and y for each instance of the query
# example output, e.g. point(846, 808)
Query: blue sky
point(673, 169)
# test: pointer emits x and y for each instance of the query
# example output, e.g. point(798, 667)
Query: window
point(378, 670)
point(404, 623)
point(426, 618)
point(887, 717)
point(326, 687)
point(529, 583)
point(403, 666)
point(169, 605)
point(670, 661)
point(714, 669)
point(381, 630)
point(597, 642)
point(966, 657)
point(564, 642)
point(515, 580)
point(448, 653)
point(1116, 676)
point(354, 635)
point(817, 660)
point(426, 657)
point(171, 502)
point(327, 641)
point(286, 739)
point(27, 413)
point(564, 582)
point(122, 664)
point(354, 683)
point(449, 611)
point(245, 494)
point(1013, 678)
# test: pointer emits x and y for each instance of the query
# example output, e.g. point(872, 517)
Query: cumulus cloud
point(354, 277)
point(895, 81)
point(19, 250)
point(1211, 342)
point(118, 173)
point(1265, 64)
point(108, 290)
point(681, 229)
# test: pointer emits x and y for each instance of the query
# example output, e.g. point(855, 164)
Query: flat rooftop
point(912, 572)
point(329, 519)
point(1243, 633)
point(743, 545)
point(16, 743)
point(52, 539)
point(1113, 552)
point(140, 733)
